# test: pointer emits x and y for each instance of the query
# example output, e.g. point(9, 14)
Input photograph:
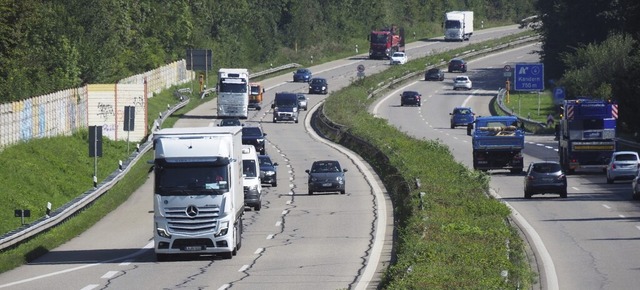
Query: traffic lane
point(556, 220)
point(201, 117)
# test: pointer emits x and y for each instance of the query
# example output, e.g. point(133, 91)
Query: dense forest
point(52, 45)
point(589, 47)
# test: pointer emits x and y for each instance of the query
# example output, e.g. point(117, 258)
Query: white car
point(398, 58)
point(462, 82)
point(623, 165)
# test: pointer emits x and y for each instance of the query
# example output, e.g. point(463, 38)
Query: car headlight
point(260, 140)
point(313, 179)
point(324, 88)
point(339, 178)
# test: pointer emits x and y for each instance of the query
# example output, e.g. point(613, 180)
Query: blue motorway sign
point(528, 77)
point(558, 95)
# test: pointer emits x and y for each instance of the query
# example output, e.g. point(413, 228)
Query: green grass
point(533, 106)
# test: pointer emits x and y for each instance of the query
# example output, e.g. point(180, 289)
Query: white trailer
point(198, 198)
point(458, 25)
point(233, 93)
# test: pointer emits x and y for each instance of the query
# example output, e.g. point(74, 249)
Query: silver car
point(623, 165)
point(462, 82)
point(302, 101)
point(635, 187)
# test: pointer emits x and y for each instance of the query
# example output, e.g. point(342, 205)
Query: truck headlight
point(162, 232)
point(224, 228)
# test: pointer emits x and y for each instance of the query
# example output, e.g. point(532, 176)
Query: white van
point(251, 177)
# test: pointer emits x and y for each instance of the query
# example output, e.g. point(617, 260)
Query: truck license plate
point(193, 248)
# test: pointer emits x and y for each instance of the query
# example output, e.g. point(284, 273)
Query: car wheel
point(258, 206)
point(275, 184)
point(419, 104)
point(563, 194)
point(453, 126)
point(609, 180)
point(401, 104)
point(527, 194)
point(635, 195)
point(450, 70)
point(274, 120)
point(310, 192)
point(296, 121)
point(342, 192)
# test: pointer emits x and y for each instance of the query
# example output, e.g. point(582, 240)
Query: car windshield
point(456, 62)
point(302, 71)
point(461, 79)
point(324, 167)
point(546, 167)
point(317, 81)
point(626, 157)
point(265, 160)
point(301, 98)
point(249, 168)
point(398, 54)
point(462, 111)
point(251, 131)
point(230, 122)
point(409, 94)
point(434, 71)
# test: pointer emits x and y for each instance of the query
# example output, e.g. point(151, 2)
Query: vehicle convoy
point(198, 198)
point(251, 178)
point(255, 96)
point(458, 25)
point(233, 93)
point(497, 144)
point(587, 134)
point(383, 43)
point(285, 107)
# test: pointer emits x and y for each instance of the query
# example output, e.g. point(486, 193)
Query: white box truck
point(458, 25)
point(198, 196)
point(233, 93)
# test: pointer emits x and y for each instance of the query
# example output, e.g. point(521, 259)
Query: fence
point(66, 111)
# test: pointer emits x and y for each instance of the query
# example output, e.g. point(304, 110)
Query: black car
point(254, 136)
point(302, 75)
point(268, 170)
point(545, 177)
point(410, 98)
point(326, 176)
point(457, 64)
point(434, 74)
point(318, 86)
point(230, 122)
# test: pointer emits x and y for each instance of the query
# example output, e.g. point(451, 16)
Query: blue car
point(462, 116)
point(302, 75)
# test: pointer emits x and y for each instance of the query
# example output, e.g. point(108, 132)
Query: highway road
point(297, 241)
point(591, 238)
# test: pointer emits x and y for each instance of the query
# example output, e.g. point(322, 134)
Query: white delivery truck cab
point(251, 177)
point(233, 93)
point(198, 198)
point(458, 25)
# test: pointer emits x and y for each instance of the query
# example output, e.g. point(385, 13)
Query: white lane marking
point(284, 212)
point(243, 268)
point(90, 286)
point(137, 253)
point(290, 185)
point(548, 147)
point(270, 237)
point(621, 216)
point(109, 275)
point(224, 286)
point(575, 188)
point(638, 227)
point(278, 223)
point(606, 206)
point(259, 251)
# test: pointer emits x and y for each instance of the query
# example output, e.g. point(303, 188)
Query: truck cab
point(256, 91)
point(285, 107)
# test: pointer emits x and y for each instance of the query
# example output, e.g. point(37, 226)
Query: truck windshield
point(233, 86)
point(191, 180)
point(288, 103)
point(255, 90)
point(378, 38)
point(452, 24)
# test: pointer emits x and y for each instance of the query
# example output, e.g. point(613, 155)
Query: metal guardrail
point(71, 208)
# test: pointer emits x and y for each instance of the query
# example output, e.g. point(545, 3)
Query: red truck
point(383, 43)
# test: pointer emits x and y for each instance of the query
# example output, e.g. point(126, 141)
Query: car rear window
point(546, 167)
point(626, 157)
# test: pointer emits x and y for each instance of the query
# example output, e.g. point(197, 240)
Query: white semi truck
point(198, 196)
point(233, 93)
point(458, 25)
